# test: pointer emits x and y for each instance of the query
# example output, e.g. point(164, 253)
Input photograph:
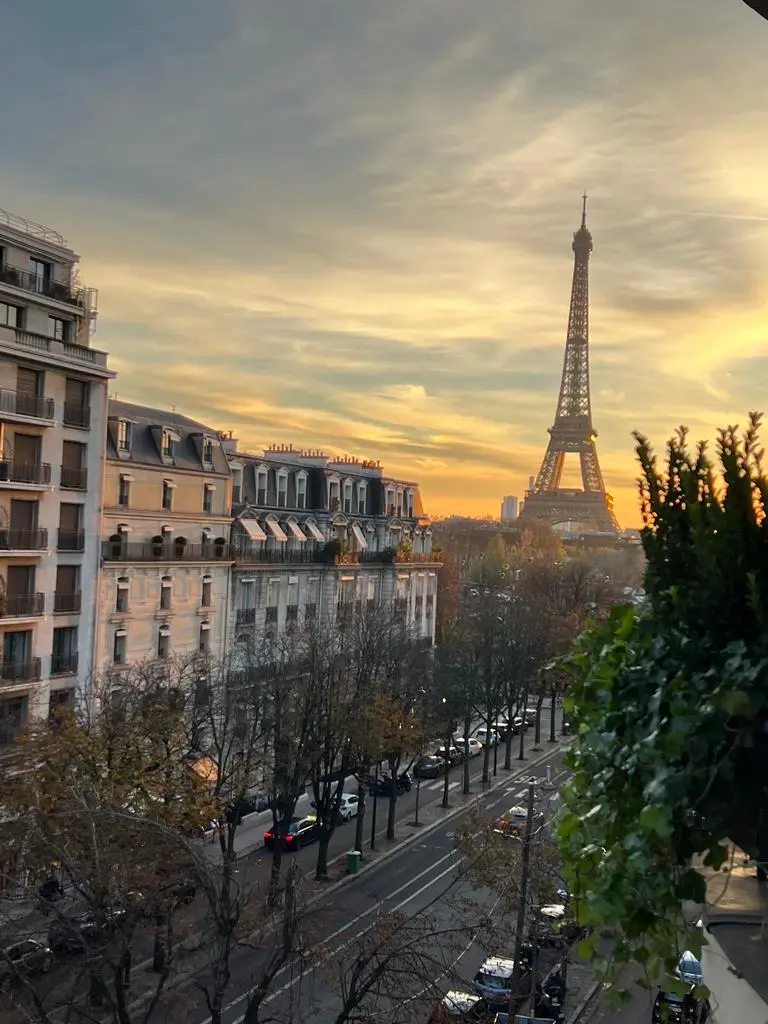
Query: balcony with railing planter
point(21, 605)
point(54, 347)
point(74, 479)
point(14, 471)
point(67, 602)
point(18, 403)
point(64, 664)
point(20, 671)
point(28, 281)
point(256, 554)
point(135, 551)
point(245, 616)
point(70, 540)
point(77, 415)
point(23, 540)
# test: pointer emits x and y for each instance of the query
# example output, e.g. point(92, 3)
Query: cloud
point(348, 223)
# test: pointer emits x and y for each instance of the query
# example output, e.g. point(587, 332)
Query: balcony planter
point(218, 547)
point(116, 541)
point(157, 546)
point(178, 546)
point(331, 550)
point(388, 555)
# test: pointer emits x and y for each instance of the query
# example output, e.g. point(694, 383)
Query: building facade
point(165, 576)
point(509, 509)
point(53, 397)
point(312, 534)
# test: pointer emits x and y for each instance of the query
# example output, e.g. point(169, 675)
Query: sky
point(347, 223)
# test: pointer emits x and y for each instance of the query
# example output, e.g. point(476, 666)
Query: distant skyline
point(347, 223)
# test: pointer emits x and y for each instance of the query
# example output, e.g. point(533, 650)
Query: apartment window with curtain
point(167, 495)
point(206, 599)
point(208, 490)
point(282, 488)
point(163, 642)
point(261, 487)
point(362, 499)
point(122, 594)
point(166, 593)
point(301, 490)
point(124, 492)
point(348, 496)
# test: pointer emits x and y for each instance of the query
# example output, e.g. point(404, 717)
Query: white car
point(349, 806)
point(475, 746)
point(486, 736)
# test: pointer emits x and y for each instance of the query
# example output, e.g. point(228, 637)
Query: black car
point(383, 786)
point(299, 832)
point(73, 932)
point(24, 959)
point(452, 754)
point(429, 768)
point(671, 1008)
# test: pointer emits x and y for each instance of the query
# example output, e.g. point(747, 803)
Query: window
point(206, 599)
point(204, 640)
point(40, 272)
point(390, 501)
point(282, 488)
point(362, 499)
point(29, 383)
point(67, 595)
point(399, 506)
point(301, 490)
point(208, 452)
point(10, 316)
point(167, 495)
point(261, 487)
point(291, 617)
point(333, 495)
point(163, 643)
point(124, 492)
point(166, 592)
point(64, 652)
point(74, 475)
point(167, 444)
point(123, 594)
point(371, 588)
point(77, 403)
point(124, 432)
point(208, 490)
point(310, 612)
point(348, 496)
point(270, 618)
point(13, 714)
point(59, 329)
point(119, 648)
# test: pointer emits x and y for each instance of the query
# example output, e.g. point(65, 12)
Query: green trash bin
point(353, 861)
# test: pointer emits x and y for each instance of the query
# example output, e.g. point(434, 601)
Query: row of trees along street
point(114, 792)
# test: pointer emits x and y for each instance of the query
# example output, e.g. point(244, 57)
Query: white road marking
point(340, 931)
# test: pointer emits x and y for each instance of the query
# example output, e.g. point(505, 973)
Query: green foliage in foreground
point(670, 700)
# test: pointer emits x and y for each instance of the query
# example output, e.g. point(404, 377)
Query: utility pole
point(522, 909)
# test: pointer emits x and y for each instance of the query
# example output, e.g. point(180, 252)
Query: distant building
point(509, 509)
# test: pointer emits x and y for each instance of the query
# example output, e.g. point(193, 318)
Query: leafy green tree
point(671, 701)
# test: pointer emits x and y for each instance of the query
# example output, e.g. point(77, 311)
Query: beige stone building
point(165, 573)
point(53, 397)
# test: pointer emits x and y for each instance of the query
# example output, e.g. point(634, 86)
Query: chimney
point(228, 442)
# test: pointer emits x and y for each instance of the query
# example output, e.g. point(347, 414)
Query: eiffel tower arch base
point(592, 510)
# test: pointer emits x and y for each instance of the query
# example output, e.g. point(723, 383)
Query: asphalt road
point(421, 879)
point(637, 1010)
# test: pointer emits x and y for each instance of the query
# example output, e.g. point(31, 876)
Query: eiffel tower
point(572, 432)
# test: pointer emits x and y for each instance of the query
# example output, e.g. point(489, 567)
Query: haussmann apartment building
point(53, 398)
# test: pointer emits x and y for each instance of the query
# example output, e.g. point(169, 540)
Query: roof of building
point(147, 425)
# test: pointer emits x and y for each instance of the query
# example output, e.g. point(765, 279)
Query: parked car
point(429, 768)
point(71, 933)
point(452, 754)
point(299, 832)
point(349, 806)
point(488, 737)
point(493, 981)
point(24, 959)
point(383, 786)
point(512, 821)
point(475, 746)
point(674, 1008)
point(459, 1008)
point(529, 717)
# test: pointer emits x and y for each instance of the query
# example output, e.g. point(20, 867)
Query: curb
point(583, 1005)
point(398, 845)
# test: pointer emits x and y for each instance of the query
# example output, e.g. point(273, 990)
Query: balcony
point(64, 664)
point(43, 343)
point(23, 540)
point(13, 471)
point(132, 551)
point(70, 540)
point(21, 606)
point(17, 403)
point(77, 415)
point(246, 616)
point(271, 556)
point(20, 671)
point(74, 479)
point(64, 602)
point(18, 277)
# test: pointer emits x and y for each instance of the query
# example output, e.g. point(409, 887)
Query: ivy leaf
point(737, 703)
point(691, 886)
point(656, 819)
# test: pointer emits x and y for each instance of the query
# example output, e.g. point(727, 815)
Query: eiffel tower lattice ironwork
point(573, 432)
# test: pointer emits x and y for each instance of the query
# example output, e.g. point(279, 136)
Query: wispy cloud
point(348, 223)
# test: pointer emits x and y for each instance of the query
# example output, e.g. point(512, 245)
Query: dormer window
point(301, 490)
point(362, 498)
point(208, 451)
point(261, 486)
point(282, 488)
point(348, 496)
point(168, 442)
point(124, 433)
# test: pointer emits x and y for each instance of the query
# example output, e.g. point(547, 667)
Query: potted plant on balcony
point(388, 555)
point(219, 546)
point(331, 549)
point(671, 699)
point(116, 544)
point(404, 551)
point(157, 546)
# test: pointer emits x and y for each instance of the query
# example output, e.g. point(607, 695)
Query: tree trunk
point(391, 811)
point(521, 755)
point(539, 702)
point(466, 773)
point(373, 818)
point(418, 798)
point(321, 869)
point(360, 819)
point(522, 906)
point(446, 783)
point(552, 715)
